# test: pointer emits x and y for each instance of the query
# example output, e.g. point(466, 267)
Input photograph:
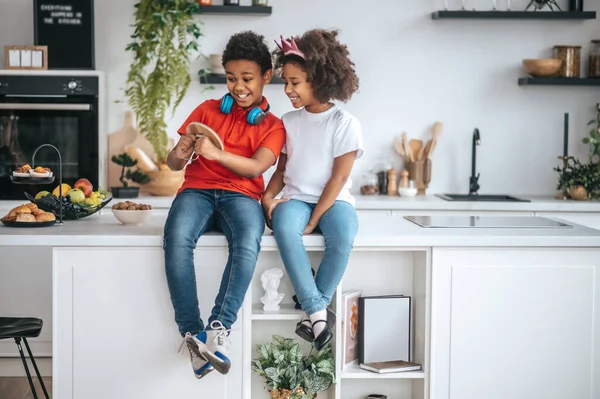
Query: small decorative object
point(540, 4)
point(289, 374)
point(579, 193)
point(404, 178)
point(570, 56)
point(136, 176)
point(26, 57)
point(260, 3)
point(594, 60)
point(575, 5)
point(270, 283)
point(392, 187)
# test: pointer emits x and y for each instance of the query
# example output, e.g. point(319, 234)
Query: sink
point(480, 197)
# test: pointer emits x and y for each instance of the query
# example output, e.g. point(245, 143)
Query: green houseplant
point(593, 139)
point(289, 374)
point(127, 173)
point(164, 39)
point(581, 180)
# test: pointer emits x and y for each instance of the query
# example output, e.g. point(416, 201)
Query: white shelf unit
point(405, 271)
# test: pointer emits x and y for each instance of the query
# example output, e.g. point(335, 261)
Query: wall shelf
point(222, 79)
point(287, 312)
point(558, 81)
point(242, 10)
point(546, 15)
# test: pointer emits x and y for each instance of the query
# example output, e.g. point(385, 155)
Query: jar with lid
point(594, 61)
point(369, 184)
point(260, 3)
point(571, 62)
point(231, 2)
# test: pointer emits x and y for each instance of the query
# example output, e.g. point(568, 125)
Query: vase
point(286, 393)
point(164, 183)
point(578, 193)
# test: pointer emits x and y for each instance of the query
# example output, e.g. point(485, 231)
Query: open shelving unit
point(398, 271)
point(558, 81)
point(530, 15)
point(241, 10)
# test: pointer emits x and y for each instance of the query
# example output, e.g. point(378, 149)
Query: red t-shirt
point(240, 138)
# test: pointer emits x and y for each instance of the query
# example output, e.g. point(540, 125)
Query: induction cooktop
point(488, 222)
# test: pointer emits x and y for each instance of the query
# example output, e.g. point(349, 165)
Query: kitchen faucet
point(473, 185)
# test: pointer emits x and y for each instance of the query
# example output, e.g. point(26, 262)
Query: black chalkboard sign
point(67, 28)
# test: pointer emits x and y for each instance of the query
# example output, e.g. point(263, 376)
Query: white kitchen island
point(497, 313)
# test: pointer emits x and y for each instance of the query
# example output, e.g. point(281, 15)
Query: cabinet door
point(115, 334)
point(515, 323)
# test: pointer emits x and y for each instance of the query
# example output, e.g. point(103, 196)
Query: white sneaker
point(196, 346)
point(219, 345)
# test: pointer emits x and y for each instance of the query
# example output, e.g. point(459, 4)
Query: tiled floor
point(18, 388)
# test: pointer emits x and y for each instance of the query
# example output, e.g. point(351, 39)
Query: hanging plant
point(165, 37)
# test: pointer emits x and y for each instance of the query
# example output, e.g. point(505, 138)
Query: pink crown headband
point(289, 47)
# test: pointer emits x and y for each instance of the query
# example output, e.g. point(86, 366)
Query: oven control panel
point(38, 85)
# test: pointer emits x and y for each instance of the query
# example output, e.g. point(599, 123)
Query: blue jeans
point(194, 212)
point(338, 225)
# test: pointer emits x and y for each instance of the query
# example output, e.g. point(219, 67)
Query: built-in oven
point(44, 109)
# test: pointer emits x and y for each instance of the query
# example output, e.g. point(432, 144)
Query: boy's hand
point(185, 146)
point(207, 149)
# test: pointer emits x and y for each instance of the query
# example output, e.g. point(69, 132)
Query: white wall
point(413, 71)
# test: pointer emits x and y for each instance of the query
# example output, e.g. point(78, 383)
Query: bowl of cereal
point(131, 213)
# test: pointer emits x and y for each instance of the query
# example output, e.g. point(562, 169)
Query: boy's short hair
point(250, 46)
point(327, 65)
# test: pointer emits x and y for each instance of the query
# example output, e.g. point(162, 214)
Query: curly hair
point(327, 65)
point(250, 46)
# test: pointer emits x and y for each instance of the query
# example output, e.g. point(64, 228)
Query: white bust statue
point(270, 282)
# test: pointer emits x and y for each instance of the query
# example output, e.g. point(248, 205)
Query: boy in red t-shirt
point(221, 192)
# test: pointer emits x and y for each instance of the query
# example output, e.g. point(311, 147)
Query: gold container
point(571, 60)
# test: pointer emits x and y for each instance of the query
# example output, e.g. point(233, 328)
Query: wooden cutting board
point(116, 145)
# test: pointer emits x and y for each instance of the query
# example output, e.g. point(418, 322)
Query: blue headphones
point(255, 116)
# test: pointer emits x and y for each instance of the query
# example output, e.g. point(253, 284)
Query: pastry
point(10, 218)
point(36, 212)
point(25, 217)
point(40, 172)
point(45, 217)
point(31, 206)
point(19, 209)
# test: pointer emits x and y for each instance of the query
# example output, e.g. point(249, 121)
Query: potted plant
point(582, 181)
point(164, 39)
point(290, 374)
point(593, 139)
point(136, 176)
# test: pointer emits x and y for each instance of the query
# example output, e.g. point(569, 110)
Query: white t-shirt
point(312, 142)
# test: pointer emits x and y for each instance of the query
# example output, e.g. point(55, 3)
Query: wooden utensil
point(407, 150)
point(436, 132)
point(201, 130)
point(399, 147)
point(415, 148)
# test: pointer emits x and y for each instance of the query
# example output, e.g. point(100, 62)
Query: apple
point(76, 195)
point(84, 185)
point(41, 194)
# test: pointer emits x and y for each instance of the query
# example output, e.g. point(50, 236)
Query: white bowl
point(38, 174)
point(132, 217)
point(407, 192)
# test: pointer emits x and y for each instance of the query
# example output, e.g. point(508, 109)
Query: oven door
point(70, 123)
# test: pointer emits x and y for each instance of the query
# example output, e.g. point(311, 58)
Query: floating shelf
point(243, 10)
point(222, 79)
point(286, 312)
point(353, 371)
point(560, 15)
point(557, 81)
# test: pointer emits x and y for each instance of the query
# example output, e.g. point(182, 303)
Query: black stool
point(21, 328)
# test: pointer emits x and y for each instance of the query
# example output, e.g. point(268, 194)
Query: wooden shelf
point(553, 15)
point(242, 10)
point(222, 79)
point(557, 81)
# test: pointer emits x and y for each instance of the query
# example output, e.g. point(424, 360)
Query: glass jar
point(369, 184)
point(231, 2)
point(205, 2)
point(571, 61)
point(594, 62)
point(261, 3)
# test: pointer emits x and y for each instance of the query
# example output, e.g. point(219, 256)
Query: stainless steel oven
point(43, 109)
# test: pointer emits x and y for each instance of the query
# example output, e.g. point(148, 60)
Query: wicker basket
point(164, 183)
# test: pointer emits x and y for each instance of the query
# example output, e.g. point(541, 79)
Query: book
point(391, 366)
point(350, 326)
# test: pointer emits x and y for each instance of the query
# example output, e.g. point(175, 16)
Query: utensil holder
point(420, 172)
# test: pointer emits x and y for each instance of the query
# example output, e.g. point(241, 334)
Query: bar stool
point(21, 328)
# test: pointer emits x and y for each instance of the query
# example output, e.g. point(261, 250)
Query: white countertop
point(375, 231)
point(426, 203)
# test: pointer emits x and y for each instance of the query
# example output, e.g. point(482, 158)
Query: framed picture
point(26, 57)
point(350, 326)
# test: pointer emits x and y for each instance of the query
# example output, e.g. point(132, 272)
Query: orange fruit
point(65, 190)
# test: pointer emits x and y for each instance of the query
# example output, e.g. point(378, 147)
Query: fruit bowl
point(70, 211)
point(542, 67)
point(133, 218)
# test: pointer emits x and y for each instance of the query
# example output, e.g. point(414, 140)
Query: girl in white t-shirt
point(322, 143)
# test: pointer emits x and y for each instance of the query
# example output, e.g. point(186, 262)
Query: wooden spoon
point(415, 148)
point(436, 132)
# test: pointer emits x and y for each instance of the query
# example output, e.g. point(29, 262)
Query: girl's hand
point(269, 204)
point(310, 227)
point(207, 149)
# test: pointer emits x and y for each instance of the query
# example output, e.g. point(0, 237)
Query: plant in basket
point(135, 176)
point(289, 373)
